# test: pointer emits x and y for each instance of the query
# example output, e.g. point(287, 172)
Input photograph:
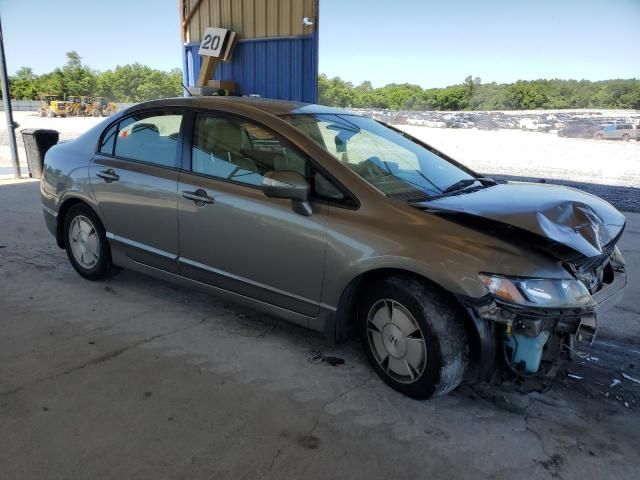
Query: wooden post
point(229, 47)
point(217, 45)
point(207, 70)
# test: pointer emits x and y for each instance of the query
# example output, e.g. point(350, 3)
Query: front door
point(231, 235)
point(134, 178)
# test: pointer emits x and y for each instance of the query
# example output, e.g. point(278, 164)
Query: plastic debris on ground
point(629, 377)
point(316, 356)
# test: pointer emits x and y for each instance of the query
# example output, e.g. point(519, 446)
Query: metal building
point(276, 55)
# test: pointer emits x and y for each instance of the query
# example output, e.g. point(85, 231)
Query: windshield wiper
point(466, 182)
point(459, 185)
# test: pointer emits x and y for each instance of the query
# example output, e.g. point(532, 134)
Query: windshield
point(383, 157)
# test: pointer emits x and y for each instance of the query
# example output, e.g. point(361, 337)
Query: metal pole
point(11, 127)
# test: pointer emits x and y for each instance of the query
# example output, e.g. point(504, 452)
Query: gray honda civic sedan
point(343, 225)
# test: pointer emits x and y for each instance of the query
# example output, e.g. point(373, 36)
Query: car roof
point(267, 105)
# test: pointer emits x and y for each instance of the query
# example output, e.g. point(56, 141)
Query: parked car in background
point(578, 130)
point(620, 131)
point(455, 123)
point(343, 225)
point(435, 123)
point(487, 124)
point(534, 125)
point(507, 123)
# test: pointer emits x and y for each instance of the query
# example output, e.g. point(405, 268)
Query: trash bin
point(36, 143)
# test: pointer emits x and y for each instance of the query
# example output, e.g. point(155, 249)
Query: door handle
point(109, 175)
point(200, 197)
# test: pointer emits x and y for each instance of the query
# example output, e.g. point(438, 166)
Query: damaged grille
point(597, 271)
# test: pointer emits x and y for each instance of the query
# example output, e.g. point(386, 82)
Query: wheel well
point(347, 313)
point(62, 213)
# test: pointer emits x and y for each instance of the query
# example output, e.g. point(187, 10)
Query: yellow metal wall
point(251, 18)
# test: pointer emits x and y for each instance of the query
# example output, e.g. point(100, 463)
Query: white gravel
point(69, 128)
point(537, 154)
point(505, 152)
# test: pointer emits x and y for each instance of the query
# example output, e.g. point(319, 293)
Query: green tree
point(23, 84)
point(471, 86)
point(77, 79)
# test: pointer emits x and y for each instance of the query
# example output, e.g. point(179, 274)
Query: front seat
point(225, 143)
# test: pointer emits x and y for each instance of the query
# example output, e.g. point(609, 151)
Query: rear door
point(134, 178)
point(231, 235)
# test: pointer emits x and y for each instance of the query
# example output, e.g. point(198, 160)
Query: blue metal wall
point(285, 68)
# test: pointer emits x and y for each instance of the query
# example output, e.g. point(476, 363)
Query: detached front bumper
point(496, 322)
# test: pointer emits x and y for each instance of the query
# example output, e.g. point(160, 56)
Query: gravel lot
point(503, 152)
point(69, 128)
point(538, 154)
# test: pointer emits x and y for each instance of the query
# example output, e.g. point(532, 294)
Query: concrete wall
point(23, 105)
point(34, 105)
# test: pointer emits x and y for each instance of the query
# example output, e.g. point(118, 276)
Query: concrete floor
point(134, 378)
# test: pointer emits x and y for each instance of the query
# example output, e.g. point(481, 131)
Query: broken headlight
point(538, 292)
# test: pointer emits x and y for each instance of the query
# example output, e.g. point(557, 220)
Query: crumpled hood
point(578, 220)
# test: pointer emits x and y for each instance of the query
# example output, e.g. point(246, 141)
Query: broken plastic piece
point(629, 377)
point(334, 361)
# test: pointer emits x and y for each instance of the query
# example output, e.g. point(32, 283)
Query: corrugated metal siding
point(282, 68)
point(252, 18)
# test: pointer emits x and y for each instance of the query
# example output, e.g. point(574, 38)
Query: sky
point(432, 43)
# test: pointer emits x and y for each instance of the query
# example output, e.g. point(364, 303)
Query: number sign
point(212, 41)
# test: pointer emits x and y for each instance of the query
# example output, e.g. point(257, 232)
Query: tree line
point(472, 94)
point(137, 83)
point(127, 83)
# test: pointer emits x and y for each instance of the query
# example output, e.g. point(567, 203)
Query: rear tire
point(599, 137)
point(414, 338)
point(86, 243)
point(626, 137)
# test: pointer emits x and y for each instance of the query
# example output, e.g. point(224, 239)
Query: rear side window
point(151, 138)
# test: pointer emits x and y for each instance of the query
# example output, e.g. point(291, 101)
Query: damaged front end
point(528, 325)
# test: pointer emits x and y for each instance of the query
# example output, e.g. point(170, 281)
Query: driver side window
point(240, 151)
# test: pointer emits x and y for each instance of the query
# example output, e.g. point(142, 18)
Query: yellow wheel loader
point(106, 108)
point(74, 106)
point(51, 107)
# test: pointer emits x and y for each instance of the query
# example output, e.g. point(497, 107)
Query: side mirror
point(289, 185)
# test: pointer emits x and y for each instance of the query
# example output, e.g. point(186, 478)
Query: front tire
point(413, 336)
point(86, 243)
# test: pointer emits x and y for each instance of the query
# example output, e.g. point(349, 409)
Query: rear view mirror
point(289, 185)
